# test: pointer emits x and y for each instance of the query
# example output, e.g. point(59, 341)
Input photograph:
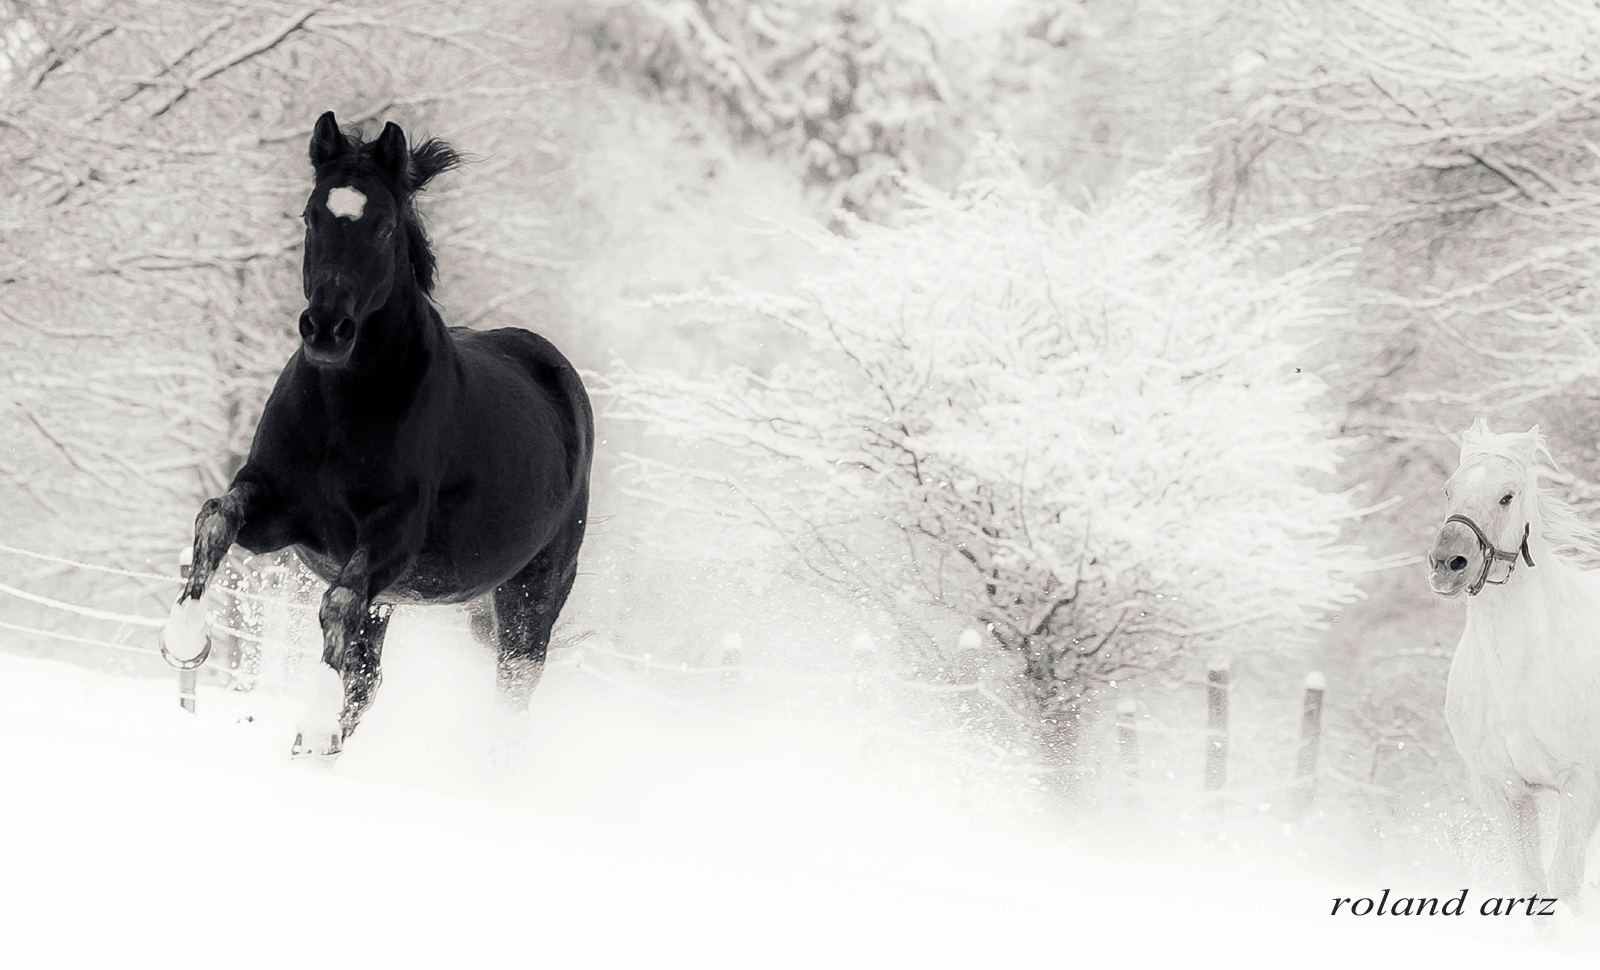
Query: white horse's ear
point(1475, 440)
point(1541, 450)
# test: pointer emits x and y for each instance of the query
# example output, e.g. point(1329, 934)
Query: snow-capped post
point(1216, 724)
point(732, 657)
point(1128, 745)
point(1305, 788)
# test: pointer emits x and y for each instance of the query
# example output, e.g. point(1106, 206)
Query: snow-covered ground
point(628, 832)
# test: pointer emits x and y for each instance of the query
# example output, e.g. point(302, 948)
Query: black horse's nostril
point(345, 330)
point(307, 328)
point(1458, 563)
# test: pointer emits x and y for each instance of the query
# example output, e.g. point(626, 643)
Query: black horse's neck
point(402, 344)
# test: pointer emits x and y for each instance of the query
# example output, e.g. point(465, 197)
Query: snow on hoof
point(184, 638)
point(316, 747)
point(318, 734)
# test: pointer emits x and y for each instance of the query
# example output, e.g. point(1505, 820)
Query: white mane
point(1568, 534)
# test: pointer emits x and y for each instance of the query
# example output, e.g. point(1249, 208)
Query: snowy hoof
point(316, 747)
point(183, 639)
point(318, 734)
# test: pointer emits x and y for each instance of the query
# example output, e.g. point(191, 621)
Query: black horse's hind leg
point(526, 607)
point(361, 674)
point(485, 629)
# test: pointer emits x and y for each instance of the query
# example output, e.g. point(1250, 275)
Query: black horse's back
point(516, 469)
point(552, 373)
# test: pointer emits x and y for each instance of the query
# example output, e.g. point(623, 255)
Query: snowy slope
point(628, 833)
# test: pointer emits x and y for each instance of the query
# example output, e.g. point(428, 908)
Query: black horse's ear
point(327, 141)
point(391, 156)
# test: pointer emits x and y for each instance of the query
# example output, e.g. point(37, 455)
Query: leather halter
point(1492, 555)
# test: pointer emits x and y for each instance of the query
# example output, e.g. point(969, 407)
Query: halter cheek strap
point(1492, 555)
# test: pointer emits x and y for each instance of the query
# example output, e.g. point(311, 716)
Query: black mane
point(423, 163)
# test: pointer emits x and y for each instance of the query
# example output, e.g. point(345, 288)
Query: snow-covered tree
point(1090, 434)
point(1453, 143)
point(853, 89)
point(1459, 136)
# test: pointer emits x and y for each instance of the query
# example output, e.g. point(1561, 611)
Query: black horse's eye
point(1505, 499)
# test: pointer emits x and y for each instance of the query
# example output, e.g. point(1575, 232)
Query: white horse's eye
point(1505, 499)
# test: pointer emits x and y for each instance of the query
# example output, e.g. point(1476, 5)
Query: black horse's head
point(363, 236)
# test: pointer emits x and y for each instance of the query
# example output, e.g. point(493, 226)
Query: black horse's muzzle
point(327, 338)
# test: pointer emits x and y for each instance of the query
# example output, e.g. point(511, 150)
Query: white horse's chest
point(1521, 701)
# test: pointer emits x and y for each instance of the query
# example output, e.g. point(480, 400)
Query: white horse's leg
point(1524, 831)
point(1580, 813)
point(1516, 819)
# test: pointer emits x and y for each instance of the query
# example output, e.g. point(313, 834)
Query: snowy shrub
point(852, 88)
point(1086, 433)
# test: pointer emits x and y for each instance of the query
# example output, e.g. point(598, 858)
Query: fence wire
point(575, 659)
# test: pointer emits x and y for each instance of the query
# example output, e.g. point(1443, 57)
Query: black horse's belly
point(431, 579)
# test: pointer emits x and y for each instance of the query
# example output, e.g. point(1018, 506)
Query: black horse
point(406, 461)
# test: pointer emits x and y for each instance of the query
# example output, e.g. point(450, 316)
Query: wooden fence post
point(1128, 746)
point(1216, 724)
point(732, 657)
point(1305, 788)
point(1128, 737)
point(863, 654)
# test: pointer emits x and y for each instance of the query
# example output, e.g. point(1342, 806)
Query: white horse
point(1523, 701)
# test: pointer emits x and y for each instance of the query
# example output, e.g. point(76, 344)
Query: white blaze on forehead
point(346, 203)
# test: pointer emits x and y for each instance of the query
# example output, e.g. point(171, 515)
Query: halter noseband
point(1492, 555)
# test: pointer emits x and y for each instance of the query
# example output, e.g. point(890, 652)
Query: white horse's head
point(1490, 502)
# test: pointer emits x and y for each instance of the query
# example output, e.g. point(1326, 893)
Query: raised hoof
point(184, 641)
point(312, 751)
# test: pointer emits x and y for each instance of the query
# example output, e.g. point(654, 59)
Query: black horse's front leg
point(348, 603)
point(183, 639)
point(215, 529)
point(353, 629)
point(343, 686)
